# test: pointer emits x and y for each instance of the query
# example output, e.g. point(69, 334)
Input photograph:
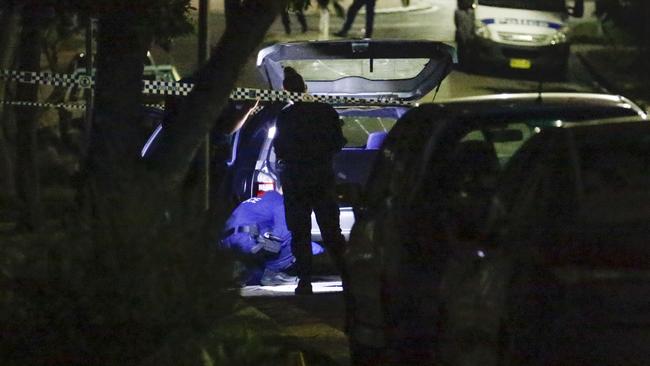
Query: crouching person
point(257, 232)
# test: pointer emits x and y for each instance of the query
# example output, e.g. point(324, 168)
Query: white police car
point(516, 34)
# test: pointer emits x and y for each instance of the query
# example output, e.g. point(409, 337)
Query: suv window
point(357, 129)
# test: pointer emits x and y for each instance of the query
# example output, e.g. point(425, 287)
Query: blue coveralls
point(267, 212)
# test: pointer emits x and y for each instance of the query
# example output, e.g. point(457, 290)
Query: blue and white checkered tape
point(160, 87)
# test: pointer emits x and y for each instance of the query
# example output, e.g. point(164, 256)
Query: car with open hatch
point(385, 76)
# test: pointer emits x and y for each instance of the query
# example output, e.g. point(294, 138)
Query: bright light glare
point(288, 290)
point(537, 130)
point(558, 123)
point(150, 141)
point(271, 133)
point(481, 253)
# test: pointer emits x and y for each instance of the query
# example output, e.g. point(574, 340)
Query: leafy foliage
point(164, 19)
point(69, 298)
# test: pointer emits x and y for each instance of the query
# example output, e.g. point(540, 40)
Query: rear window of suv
point(357, 130)
point(359, 126)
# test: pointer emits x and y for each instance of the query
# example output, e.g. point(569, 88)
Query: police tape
point(72, 106)
point(175, 88)
point(43, 104)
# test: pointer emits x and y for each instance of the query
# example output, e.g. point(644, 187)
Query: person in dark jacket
point(307, 137)
point(352, 13)
point(257, 232)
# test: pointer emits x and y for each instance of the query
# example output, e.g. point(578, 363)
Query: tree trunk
point(128, 197)
point(112, 162)
point(27, 174)
point(157, 276)
point(9, 35)
point(246, 25)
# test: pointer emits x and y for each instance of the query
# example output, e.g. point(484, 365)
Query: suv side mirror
point(465, 4)
point(578, 9)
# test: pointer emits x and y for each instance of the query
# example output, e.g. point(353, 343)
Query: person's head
point(293, 82)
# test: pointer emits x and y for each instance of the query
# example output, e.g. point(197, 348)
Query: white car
point(515, 34)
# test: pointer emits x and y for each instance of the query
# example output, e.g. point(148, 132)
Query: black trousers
point(352, 13)
point(286, 22)
point(307, 187)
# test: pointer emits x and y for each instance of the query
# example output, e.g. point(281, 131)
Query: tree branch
point(246, 27)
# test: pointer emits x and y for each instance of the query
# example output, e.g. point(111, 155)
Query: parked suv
point(425, 209)
point(563, 278)
point(391, 73)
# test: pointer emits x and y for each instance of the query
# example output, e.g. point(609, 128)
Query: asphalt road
point(319, 319)
point(434, 22)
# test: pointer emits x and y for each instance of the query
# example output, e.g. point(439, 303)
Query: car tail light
point(263, 184)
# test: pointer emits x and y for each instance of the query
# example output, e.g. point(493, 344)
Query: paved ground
point(317, 320)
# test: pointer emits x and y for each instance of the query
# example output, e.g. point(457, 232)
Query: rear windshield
point(543, 5)
point(359, 130)
point(366, 128)
point(375, 69)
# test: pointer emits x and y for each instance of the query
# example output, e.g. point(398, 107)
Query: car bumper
point(520, 57)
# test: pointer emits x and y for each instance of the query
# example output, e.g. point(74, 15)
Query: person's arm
point(279, 222)
point(337, 131)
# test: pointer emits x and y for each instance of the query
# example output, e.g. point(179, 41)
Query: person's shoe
point(304, 288)
point(341, 34)
point(270, 278)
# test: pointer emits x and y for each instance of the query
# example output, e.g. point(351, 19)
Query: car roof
point(574, 107)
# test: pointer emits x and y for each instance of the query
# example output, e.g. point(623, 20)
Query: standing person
point(257, 232)
point(286, 22)
point(307, 137)
point(352, 13)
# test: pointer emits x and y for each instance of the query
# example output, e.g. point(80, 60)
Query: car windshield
point(544, 5)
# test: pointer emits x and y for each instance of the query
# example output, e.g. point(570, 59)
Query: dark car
point(427, 202)
point(564, 277)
